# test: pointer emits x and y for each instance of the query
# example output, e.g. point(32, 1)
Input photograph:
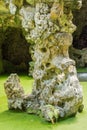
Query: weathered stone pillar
point(48, 27)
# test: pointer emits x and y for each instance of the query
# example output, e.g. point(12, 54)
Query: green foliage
point(52, 113)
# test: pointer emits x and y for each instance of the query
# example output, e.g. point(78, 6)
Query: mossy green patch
point(2, 7)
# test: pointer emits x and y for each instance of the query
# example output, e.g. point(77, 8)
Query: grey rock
point(14, 92)
point(56, 91)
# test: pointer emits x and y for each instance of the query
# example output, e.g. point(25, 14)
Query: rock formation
point(48, 26)
point(14, 92)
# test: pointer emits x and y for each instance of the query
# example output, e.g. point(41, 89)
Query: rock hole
point(65, 24)
point(79, 57)
point(47, 64)
point(42, 67)
point(61, 104)
point(43, 49)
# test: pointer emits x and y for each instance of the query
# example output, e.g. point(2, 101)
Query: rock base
point(53, 102)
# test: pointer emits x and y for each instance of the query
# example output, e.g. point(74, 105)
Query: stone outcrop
point(14, 92)
point(11, 21)
point(48, 26)
point(80, 40)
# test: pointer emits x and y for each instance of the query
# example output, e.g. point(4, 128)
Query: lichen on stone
point(56, 92)
point(14, 92)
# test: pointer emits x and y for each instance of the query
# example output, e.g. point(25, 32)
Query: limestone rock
point(14, 92)
point(56, 91)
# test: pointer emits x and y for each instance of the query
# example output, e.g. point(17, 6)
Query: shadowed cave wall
point(80, 20)
point(15, 51)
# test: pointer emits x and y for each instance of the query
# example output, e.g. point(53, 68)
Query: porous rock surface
point(14, 92)
point(56, 90)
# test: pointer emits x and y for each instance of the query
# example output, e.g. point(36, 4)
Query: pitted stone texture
point(14, 92)
point(73, 4)
point(56, 90)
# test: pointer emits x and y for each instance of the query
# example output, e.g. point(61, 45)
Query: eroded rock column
point(56, 90)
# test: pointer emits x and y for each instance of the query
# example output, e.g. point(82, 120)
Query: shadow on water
point(21, 115)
